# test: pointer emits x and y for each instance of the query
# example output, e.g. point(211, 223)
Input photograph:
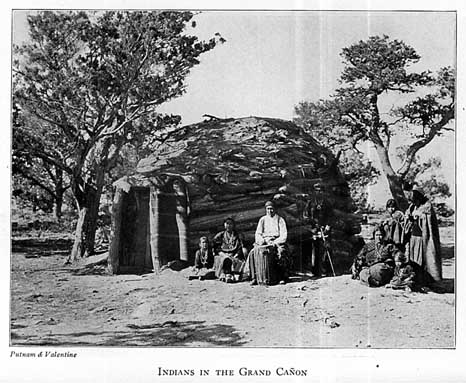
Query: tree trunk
point(77, 250)
point(88, 206)
point(91, 220)
point(394, 182)
point(58, 205)
point(59, 191)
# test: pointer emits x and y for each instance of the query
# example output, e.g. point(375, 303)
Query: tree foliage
point(427, 177)
point(355, 113)
point(35, 179)
point(91, 82)
point(318, 120)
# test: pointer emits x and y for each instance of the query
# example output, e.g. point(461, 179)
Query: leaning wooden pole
point(154, 224)
point(114, 255)
point(182, 206)
point(182, 223)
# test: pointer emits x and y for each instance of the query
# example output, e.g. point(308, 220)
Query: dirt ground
point(53, 305)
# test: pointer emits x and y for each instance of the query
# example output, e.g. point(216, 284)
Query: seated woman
point(229, 253)
point(374, 264)
point(271, 235)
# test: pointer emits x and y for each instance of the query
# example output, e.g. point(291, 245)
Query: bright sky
point(273, 60)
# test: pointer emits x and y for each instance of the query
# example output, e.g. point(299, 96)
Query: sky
point(272, 60)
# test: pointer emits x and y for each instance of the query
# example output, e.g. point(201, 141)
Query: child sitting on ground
point(203, 262)
point(404, 277)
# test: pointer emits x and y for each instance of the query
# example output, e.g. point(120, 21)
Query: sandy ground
point(52, 305)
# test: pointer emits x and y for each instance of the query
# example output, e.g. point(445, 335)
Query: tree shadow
point(44, 246)
point(167, 334)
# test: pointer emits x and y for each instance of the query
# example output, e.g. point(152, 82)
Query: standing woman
point(393, 225)
point(424, 242)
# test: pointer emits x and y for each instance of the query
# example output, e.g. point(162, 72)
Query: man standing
point(317, 214)
point(271, 231)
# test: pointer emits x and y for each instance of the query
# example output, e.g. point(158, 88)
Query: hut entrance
point(168, 243)
point(135, 253)
point(154, 229)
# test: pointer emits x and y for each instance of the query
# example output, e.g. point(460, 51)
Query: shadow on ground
point(167, 334)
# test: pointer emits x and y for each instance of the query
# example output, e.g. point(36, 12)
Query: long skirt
point(425, 256)
point(227, 264)
point(269, 264)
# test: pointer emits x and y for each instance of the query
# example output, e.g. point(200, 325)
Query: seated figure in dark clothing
point(404, 274)
point(374, 264)
point(407, 276)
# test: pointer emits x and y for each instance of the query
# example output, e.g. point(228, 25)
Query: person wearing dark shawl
point(230, 253)
point(393, 224)
point(374, 264)
point(424, 239)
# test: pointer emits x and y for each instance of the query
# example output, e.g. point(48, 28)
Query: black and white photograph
point(254, 179)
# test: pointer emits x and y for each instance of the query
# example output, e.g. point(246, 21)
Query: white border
point(139, 365)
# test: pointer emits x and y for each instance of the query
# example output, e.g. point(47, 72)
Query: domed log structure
point(206, 172)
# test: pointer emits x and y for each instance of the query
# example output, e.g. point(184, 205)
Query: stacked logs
point(232, 167)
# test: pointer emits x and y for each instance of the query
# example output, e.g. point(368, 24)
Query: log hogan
point(206, 172)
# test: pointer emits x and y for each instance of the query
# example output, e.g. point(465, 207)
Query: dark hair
point(418, 197)
point(400, 257)
point(391, 203)
point(407, 186)
point(229, 219)
point(380, 229)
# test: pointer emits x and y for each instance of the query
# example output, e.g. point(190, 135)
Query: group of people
point(405, 250)
point(227, 258)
